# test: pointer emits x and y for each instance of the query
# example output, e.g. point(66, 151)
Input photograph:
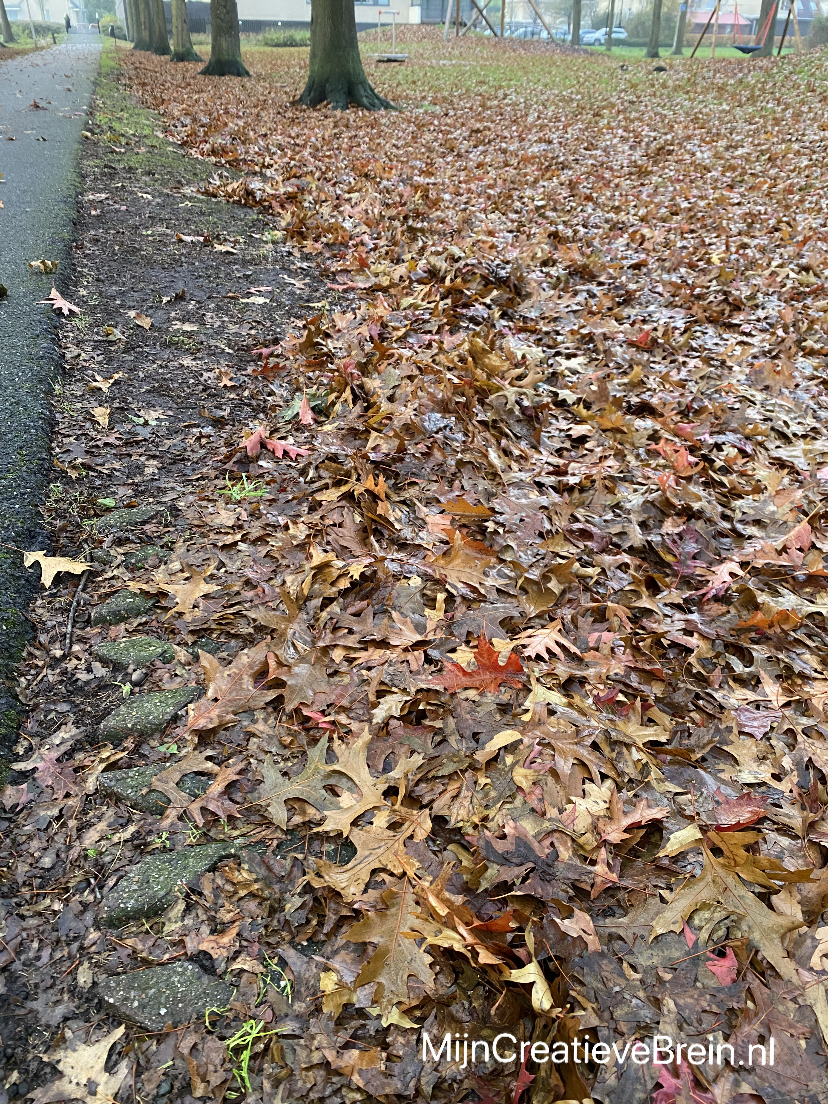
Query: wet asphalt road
point(38, 186)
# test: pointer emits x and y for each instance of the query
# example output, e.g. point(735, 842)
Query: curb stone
point(134, 787)
point(146, 714)
point(126, 605)
point(172, 994)
point(149, 888)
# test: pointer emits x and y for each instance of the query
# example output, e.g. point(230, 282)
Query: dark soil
point(179, 394)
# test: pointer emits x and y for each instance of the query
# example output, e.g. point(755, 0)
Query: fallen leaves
point(52, 565)
point(487, 674)
point(377, 849)
point(83, 1067)
point(722, 889)
point(232, 690)
point(259, 440)
point(520, 678)
point(396, 956)
point(43, 266)
point(56, 301)
point(186, 594)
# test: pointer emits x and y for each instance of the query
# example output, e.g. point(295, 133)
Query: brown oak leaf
point(488, 675)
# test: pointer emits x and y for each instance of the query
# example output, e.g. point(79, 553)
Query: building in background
point(256, 16)
point(51, 11)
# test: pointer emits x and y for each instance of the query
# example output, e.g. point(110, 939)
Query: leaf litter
point(515, 676)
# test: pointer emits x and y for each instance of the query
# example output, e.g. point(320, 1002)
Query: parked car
point(599, 37)
point(532, 31)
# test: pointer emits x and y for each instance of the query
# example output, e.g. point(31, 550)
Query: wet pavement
point(44, 102)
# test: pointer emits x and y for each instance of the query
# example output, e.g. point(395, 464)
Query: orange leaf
point(488, 674)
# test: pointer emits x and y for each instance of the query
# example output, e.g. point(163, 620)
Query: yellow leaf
point(532, 974)
point(84, 1071)
point(691, 836)
point(101, 415)
point(51, 565)
point(43, 266)
point(502, 739)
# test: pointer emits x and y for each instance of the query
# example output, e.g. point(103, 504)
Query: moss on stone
point(146, 714)
point(150, 887)
point(118, 520)
point(134, 787)
point(141, 556)
point(139, 650)
point(126, 605)
point(176, 994)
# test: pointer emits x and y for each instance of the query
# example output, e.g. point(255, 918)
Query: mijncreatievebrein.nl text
point(661, 1050)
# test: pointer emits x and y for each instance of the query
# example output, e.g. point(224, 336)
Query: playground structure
point(768, 27)
point(393, 56)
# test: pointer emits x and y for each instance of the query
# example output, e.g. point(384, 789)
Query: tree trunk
point(678, 41)
point(610, 27)
point(769, 7)
point(5, 26)
point(143, 19)
point(225, 47)
point(335, 72)
point(160, 39)
point(129, 16)
point(655, 31)
point(576, 22)
point(182, 43)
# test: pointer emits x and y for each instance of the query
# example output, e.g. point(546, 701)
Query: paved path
point(38, 184)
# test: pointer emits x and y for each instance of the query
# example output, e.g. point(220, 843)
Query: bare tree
point(5, 26)
point(767, 22)
point(143, 25)
point(335, 73)
point(182, 43)
point(160, 39)
point(681, 26)
point(655, 31)
point(225, 45)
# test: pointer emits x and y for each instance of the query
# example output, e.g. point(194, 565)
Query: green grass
point(636, 53)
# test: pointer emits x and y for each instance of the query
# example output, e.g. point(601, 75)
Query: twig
point(69, 971)
point(71, 624)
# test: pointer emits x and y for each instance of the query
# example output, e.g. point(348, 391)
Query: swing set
point(761, 34)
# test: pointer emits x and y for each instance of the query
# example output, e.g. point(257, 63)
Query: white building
point(80, 12)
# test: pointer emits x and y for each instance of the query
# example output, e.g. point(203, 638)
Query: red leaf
point(644, 340)
point(488, 675)
point(306, 415)
point(686, 1090)
point(738, 812)
point(253, 446)
point(523, 1082)
point(725, 968)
